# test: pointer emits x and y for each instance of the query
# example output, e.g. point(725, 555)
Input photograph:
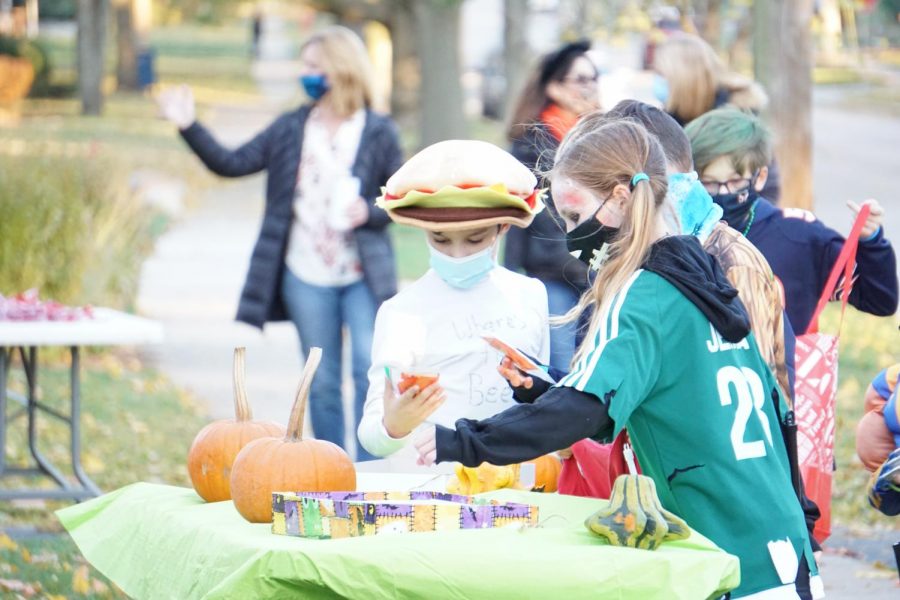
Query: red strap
point(846, 262)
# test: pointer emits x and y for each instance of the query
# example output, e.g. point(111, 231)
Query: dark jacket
point(802, 252)
point(277, 150)
point(540, 250)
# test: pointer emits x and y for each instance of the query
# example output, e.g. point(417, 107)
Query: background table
point(158, 541)
point(107, 328)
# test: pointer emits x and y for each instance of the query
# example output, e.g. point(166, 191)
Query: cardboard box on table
point(354, 514)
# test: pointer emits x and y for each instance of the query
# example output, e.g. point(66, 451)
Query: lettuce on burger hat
point(462, 184)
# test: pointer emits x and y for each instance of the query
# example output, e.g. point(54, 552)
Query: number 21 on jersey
point(743, 385)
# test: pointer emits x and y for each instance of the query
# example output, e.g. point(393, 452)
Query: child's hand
point(876, 217)
point(426, 445)
point(404, 413)
point(514, 375)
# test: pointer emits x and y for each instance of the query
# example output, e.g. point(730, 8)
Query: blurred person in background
point(731, 151)
point(323, 258)
point(563, 87)
point(692, 80)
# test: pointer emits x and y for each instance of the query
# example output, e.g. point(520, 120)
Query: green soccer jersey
point(700, 416)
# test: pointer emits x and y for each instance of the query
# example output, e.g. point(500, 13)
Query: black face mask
point(736, 206)
point(586, 242)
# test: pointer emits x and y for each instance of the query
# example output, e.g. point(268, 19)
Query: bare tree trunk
point(405, 78)
point(782, 52)
point(92, 15)
point(442, 100)
point(126, 46)
point(516, 51)
point(712, 25)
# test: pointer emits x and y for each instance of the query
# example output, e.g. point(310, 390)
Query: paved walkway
point(193, 280)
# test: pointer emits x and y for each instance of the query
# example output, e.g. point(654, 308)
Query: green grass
point(216, 57)
point(136, 427)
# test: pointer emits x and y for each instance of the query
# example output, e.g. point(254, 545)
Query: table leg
point(75, 416)
point(30, 365)
point(4, 380)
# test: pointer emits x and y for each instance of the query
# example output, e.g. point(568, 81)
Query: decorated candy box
point(353, 514)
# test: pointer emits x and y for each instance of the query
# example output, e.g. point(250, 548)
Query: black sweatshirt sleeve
point(524, 395)
point(522, 432)
point(251, 157)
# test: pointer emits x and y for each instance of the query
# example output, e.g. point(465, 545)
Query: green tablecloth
point(158, 541)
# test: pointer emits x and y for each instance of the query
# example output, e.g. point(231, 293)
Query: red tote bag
point(815, 386)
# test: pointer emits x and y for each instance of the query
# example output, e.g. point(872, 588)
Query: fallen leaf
point(26, 554)
point(93, 463)
point(25, 590)
point(873, 574)
point(56, 597)
point(7, 543)
point(81, 580)
point(98, 587)
point(44, 558)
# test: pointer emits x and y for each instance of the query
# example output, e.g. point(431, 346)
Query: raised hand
point(876, 216)
point(176, 104)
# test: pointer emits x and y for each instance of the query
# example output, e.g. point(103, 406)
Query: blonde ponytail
point(600, 156)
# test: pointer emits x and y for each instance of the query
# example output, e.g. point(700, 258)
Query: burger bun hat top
point(462, 184)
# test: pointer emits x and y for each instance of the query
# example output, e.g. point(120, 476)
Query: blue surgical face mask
point(463, 273)
point(315, 86)
point(661, 88)
point(697, 213)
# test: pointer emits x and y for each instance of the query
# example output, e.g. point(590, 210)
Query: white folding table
point(107, 328)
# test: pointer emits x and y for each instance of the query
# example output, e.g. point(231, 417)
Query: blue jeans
point(561, 297)
point(320, 314)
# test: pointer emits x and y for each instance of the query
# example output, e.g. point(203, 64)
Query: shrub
point(71, 229)
point(37, 54)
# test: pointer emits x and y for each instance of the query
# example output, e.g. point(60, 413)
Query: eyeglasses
point(732, 186)
point(583, 80)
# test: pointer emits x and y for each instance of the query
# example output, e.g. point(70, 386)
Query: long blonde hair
point(599, 155)
point(347, 67)
point(695, 74)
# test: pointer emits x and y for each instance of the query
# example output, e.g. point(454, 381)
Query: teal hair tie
point(639, 177)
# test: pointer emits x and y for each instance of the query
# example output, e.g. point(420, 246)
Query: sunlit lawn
point(136, 427)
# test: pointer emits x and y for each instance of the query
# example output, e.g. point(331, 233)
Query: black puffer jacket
point(540, 250)
point(277, 150)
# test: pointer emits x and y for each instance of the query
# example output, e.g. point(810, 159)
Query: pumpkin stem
point(242, 412)
point(298, 412)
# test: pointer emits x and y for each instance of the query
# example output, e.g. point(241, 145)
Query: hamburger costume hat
point(462, 184)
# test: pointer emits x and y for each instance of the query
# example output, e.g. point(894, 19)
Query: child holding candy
point(465, 195)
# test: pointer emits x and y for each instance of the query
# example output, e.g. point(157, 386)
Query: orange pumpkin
point(289, 463)
point(546, 473)
point(216, 446)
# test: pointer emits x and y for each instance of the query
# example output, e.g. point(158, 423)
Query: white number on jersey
point(744, 385)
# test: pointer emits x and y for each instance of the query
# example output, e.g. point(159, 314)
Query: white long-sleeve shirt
point(431, 327)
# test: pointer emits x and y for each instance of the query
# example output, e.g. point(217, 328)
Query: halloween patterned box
point(353, 514)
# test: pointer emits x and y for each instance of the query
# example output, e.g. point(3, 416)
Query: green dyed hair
point(730, 132)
